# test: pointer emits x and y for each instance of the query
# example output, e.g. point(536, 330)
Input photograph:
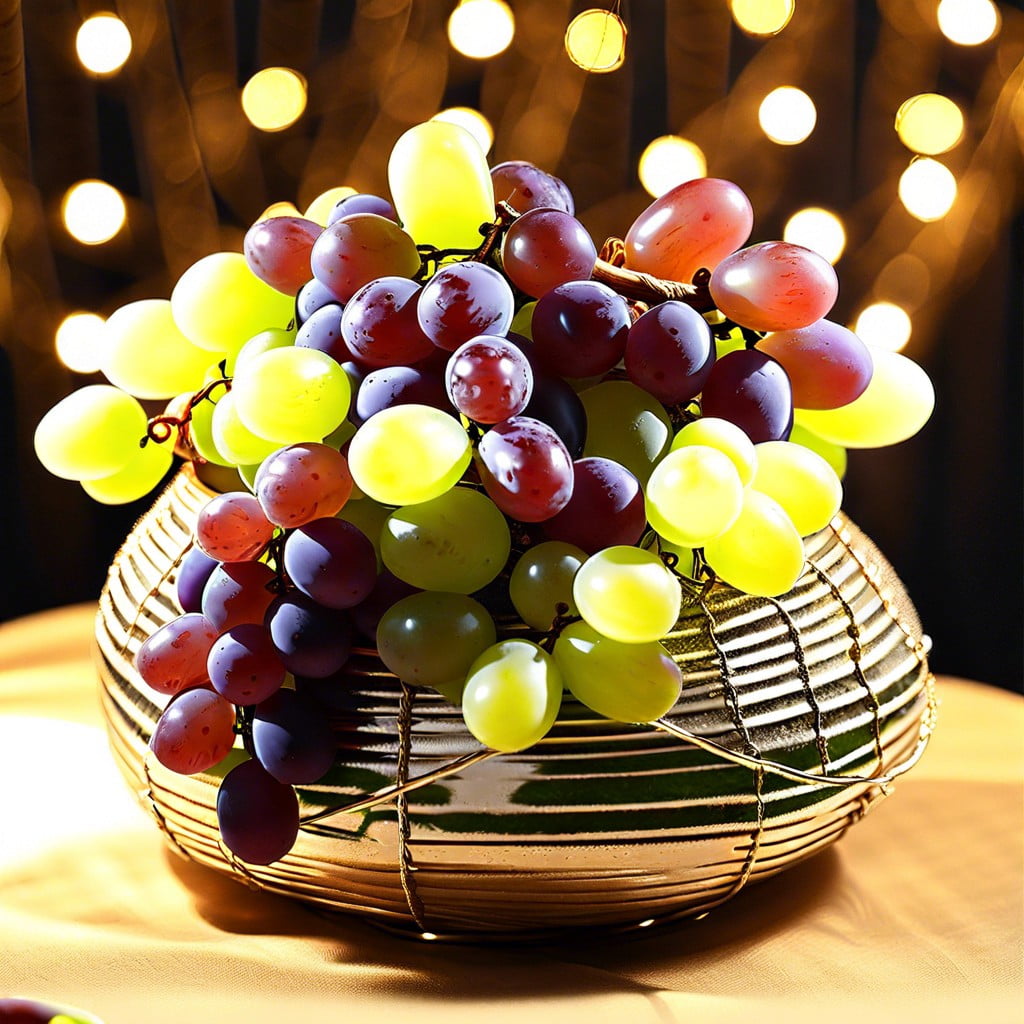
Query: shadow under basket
point(796, 714)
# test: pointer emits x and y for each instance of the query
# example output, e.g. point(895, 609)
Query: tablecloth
point(915, 915)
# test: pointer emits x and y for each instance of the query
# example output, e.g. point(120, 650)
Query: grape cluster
point(427, 432)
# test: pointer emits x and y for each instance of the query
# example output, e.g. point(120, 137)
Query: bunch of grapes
point(431, 430)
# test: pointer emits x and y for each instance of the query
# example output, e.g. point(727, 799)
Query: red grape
point(258, 816)
point(750, 389)
point(302, 482)
point(526, 187)
point(232, 527)
point(463, 300)
point(545, 248)
point(244, 665)
point(238, 592)
point(173, 658)
point(379, 324)
point(195, 732)
point(277, 251)
point(670, 352)
point(489, 379)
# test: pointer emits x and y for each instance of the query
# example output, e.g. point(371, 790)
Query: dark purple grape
point(258, 816)
point(525, 187)
point(244, 666)
point(546, 248)
point(331, 561)
point(361, 202)
point(331, 694)
point(303, 482)
point(173, 658)
point(238, 592)
point(489, 379)
point(310, 640)
point(322, 331)
point(463, 300)
point(292, 738)
point(388, 590)
point(670, 352)
point(380, 324)
point(193, 572)
point(752, 390)
point(277, 251)
point(312, 296)
point(195, 732)
point(398, 385)
point(232, 527)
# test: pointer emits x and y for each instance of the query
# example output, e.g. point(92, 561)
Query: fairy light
point(929, 123)
point(103, 44)
point(787, 115)
point(762, 17)
point(968, 22)
point(481, 28)
point(819, 229)
point(274, 99)
point(473, 121)
point(79, 342)
point(596, 41)
point(884, 325)
point(320, 209)
point(93, 212)
point(927, 189)
point(669, 161)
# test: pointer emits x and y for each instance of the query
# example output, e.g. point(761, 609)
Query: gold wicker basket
point(796, 714)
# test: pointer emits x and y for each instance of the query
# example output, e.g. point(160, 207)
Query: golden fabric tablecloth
point(916, 915)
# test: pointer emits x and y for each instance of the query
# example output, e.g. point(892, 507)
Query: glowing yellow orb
point(762, 17)
point(320, 209)
point(93, 212)
point(884, 325)
point(787, 115)
point(927, 189)
point(79, 342)
point(929, 123)
point(103, 44)
point(274, 99)
point(669, 161)
point(596, 41)
point(968, 22)
point(481, 28)
point(473, 121)
point(818, 229)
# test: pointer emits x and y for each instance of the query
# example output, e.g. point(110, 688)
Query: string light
point(481, 28)
point(79, 342)
point(669, 161)
point(884, 325)
point(320, 209)
point(103, 44)
point(596, 41)
point(473, 121)
point(927, 189)
point(816, 228)
point(93, 212)
point(968, 22)
point(787, 115)
point(929, 123)
point(762, 17)
point(274, 99)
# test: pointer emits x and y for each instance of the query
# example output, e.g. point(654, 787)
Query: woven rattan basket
point(796, 714)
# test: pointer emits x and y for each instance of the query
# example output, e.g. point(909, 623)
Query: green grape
point(512, 695)
point(628, 594)
point(522, 322)
point(894, 406)
point(761, 553)
point(625, 682)
point(146, 355)
point(542, 579)
point(833, 454)
point(370, 516)
point(200, 430)
point(408, 453)
point(693, 495)
point(247, 474)
point(340, 437)
point(801, 481)
point(627, 425)
point(135, 480)
point(292, 394)
point(431, 638)
point(234, 440)
point(92, 433)
point(441, 185)
point(733, 342)
point(685, 560)
point(273, 337)
point(458, 542)
point(219, 303)
point(726, 437)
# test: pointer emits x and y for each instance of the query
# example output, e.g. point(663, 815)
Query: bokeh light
point(473, 121)
point(274, 99)
point(481, 28)
point(320, 209)
point(762, 17)
point(93, 212)
point(79, 342)
point(968, 22)
point(819, 229)
point(929, 123)
point(103, 44)
point(927, 189)
point(669, 161)
point(787, 115)
point(884, 325)
point(596, 41)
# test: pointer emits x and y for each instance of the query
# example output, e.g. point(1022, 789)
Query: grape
point(380, 324)
point(272, 337)
point(142, 473)
point(606, 507)
point(726, 437)
point(694, 225)
point(311, 297)
point(456, 542)
point(833, 454)
point(193, 573)
point(545, 248)
point(670, 352)
point(463, 300)
point(398, 385)
point(387, 591)
point(774, 286)
point(408, 454)
point(624, 682)
point(685, 563)
point(195, 732)
point(526, 469)
point(827, 364)
point(92, 433)
point(29, 1011)
point(302, 482)
point(556, 403)
point(219, 303)
point(292, 394)
point(200, 432)
point(431, 638)
point(894, 406)
point(441, 186)
point(627, 594)
point(694, 494)
point(761, 553)
point(512, 695)
point(232, 527)
point(521, 323)
point(292, 739)
point(750, 389)
point(331, 561)
point(488, 379)
point(369, 516)
point(238, 592)
point(277, 251)
point(258, 816)
point(234, 440)
point(580, 329)
point(542, 580)
point(322, 332)
point(526, 187)
point(310, 640)
point(361, 202)
point(244, 666)
point(802, 482)
point(626, 425)
point(173, 658)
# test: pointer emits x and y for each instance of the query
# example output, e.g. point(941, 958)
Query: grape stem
point(160, 428)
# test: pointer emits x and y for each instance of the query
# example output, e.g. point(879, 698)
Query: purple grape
point(258, 816)
point(752, 390)
point(173, 658)
point(398, 385)
point(670, 352)
point(292, 738)
point(489, 379)
point(244, 666)
point(331, 561)
point(193, 573)
point(322, 331)
point(312, 296)
point(195, 732)
point(380, 324)
point(525, 187)
point(310, 640)
point(362, 202)
point(463, 300)
point(238, 592)
point(546, 248)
